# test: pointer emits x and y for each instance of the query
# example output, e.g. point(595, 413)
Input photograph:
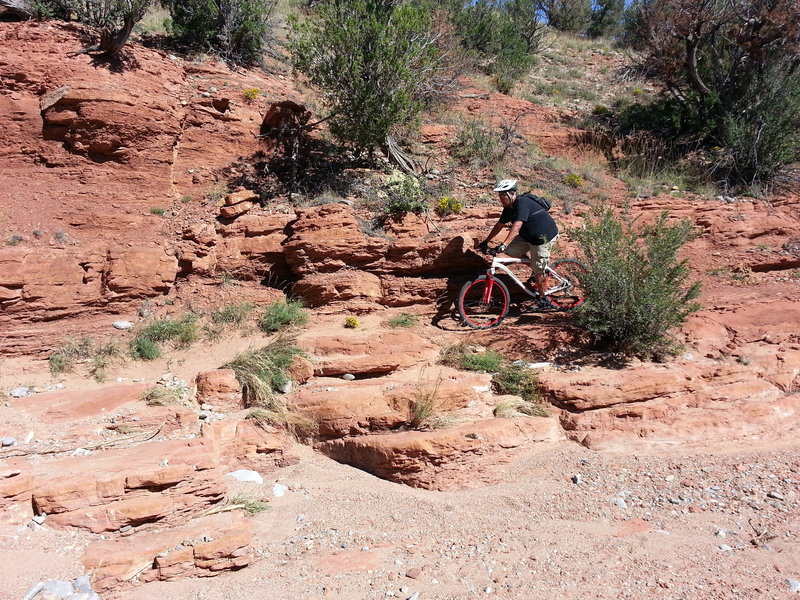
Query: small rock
point(301, 518)
point(121, 379)
point(19, 392)
point(164, 462)
point(577, 479)
point(725, 547)
point(125, 528)
point(772, 494)
point(84, 584)
point(55, 386)
point(620, 502)
point(287, 387)
point(123, 325)
point(208, 538)
point(203, 415)
point(794, 585)
point(348, 377)
point(278, 490)
point(414, 573)
point(28, 438)
point(8, 441)
point(57, 589)
point(80, 452)
point(166, 377)
point(39, 519)
point(539, 365)
point(206, 407)
point(172, 57)
point(721, 533)
point(414, 596)
point(247, 476)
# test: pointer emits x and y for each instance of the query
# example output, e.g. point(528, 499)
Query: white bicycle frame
point(499, 264)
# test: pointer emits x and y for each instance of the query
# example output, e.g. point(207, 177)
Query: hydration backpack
point(540, 200)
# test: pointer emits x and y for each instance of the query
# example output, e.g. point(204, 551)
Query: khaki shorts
point(540, 255)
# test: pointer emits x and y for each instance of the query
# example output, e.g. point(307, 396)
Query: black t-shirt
point(536, 222)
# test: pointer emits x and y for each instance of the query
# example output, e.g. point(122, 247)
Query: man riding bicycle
point(532, 231)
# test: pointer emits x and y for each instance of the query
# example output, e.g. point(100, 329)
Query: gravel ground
point(566, 522)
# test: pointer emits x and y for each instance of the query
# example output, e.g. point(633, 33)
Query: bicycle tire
point(575, 295)
point(478, 313)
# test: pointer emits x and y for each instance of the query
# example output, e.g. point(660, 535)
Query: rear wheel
point(483, 303)
point(567, 288)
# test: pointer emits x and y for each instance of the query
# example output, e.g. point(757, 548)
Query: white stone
point(278, 490)
point(123, 325)
point(246, 475)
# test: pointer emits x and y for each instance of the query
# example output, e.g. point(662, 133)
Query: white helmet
point(506, 185)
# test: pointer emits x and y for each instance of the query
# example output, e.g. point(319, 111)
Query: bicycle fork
point(487, 290)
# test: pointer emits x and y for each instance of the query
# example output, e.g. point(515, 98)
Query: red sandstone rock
point(221, 389)
point(153, 556)
point(464, 456)
point(369, 353)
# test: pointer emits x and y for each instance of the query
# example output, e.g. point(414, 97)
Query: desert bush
point(730, 73)
point(351, 323)
point(404, 194)
point(282, 314)
point(237, 30)
point(263, 372)
point(573, 16)
point(477, 144)
point(637, 290)
point(298, 425)
point(517, 379)
point(181, 332)
point(249, 504)
point(372, 62)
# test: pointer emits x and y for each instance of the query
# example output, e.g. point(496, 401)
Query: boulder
point(221, 389)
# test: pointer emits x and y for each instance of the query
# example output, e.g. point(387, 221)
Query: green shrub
point(518, 380)
point(263, 372)
point(463, 356)
point(351, 323)
point(637, 290)
point(157, 210)
point(63, 358)
point(282, 314)
point(143, 348)
point(405, 195)
point(182, 332)
point(237, 30)
point(573, 180)
point(159, 395)
point(372, 62)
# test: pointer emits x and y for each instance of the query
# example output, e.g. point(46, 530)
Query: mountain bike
point(484, 302)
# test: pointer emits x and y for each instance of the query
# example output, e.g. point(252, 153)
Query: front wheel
point(483, 303)
point(564, 286)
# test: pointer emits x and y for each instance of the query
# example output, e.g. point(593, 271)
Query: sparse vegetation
point(299, 426)
point(263, 372)
point(403, 320)
point(14, 240)
point(181, 332)
point(477, 145)
point(351, 323)
point(518, 380)
point(404, 195)
point(157, 210)
point(428, 408)
point(282, 314)
point(234, 314)
point(249, 504)
point(64, 357)
point(160, 395)
point(465, 357)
